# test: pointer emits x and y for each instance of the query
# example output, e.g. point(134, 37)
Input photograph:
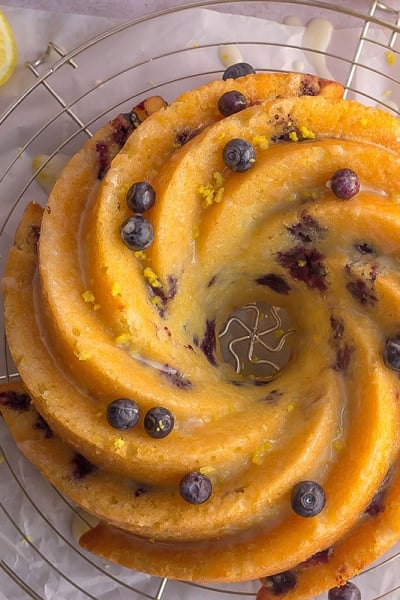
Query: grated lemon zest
point(118, 444)
point(152, 278)
point(158, 303)
point(306, 133)
point(207, 470)
point(82, 355)
point(293, 136)
point(123, 339)
point(88, 296)
point(116, 289)
point(212, 192)
point(260, 141)
point(140, 255)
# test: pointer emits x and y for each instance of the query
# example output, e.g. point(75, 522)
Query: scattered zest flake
point(260, 141)
point(152, 278)
point(118, 444)
point(124, 339)
point(116, 289)
point(82, 355)
point(390, 57)
point(207, 470)
point(306, 133)
point(212, 192)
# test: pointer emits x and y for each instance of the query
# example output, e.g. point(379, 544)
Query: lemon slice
point(8, 50)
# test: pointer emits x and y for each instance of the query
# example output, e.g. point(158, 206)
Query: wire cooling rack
point(77, 91)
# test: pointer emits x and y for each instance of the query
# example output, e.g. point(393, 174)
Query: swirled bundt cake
point(267, 190)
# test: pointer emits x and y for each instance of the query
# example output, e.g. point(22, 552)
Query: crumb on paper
point(390, 57)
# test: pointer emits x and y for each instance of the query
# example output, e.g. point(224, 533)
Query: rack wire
point(58, 568)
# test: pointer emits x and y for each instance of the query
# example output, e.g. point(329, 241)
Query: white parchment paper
point(36, 541)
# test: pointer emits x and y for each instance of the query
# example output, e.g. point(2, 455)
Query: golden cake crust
point(110, 323)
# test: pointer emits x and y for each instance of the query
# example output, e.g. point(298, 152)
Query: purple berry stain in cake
point(43, 426)
point(121, 129)
point(307, 229)
point(273, 397)
point(15, 400)
point(102, 158)
point(172, 285)
point(309, 86)
point(360, 291)
point(319, 558)
point(305, 264)
point(362, 287)
point(281, 583)
point(343, 350)
point(182, 137)
point(176, 378)
point(377, 504)
point(208, 343)
point(274, 282)
point(81, 467)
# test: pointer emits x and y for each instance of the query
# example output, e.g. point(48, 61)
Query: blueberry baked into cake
point(257, 188)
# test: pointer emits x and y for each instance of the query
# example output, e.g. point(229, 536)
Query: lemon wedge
point(8, 50)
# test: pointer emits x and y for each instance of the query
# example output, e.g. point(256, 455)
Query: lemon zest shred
point(306, 133)
point(158, 303)
point(260, 141)
point(293, 136)
point(82, 355)
point(116, 289)
point(118, 444)
point(88, 296)
point(207, 470)
point(152, 278)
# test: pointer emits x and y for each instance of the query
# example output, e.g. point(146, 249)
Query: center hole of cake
point(257, 340)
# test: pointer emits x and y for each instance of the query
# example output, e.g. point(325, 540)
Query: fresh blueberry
point(239, 155)
point(345, 184)
point(140, 197)
point(391, 353)
point(348, 591)
point(158, 422)
point(195, 488)
point(122, 413)
point(237, 70)
point(231, 102)
point(308, 499)
point(137, 232)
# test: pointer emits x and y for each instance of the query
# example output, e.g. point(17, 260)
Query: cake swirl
point(191, 467)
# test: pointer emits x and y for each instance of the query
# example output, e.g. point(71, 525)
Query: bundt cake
point(257, 189)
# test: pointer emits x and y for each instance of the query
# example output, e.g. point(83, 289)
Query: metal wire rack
point(77, 91)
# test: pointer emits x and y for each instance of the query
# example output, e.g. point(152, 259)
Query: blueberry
point(348, 591)
point(231, 102)
point(308, 499)
point(391, 354)
point(140, 197)
point(195, 488)
point(345, 184)
point(239, 155)
point(137, 233)
point(122, 413)
point(237, 70)
point(158, 422)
